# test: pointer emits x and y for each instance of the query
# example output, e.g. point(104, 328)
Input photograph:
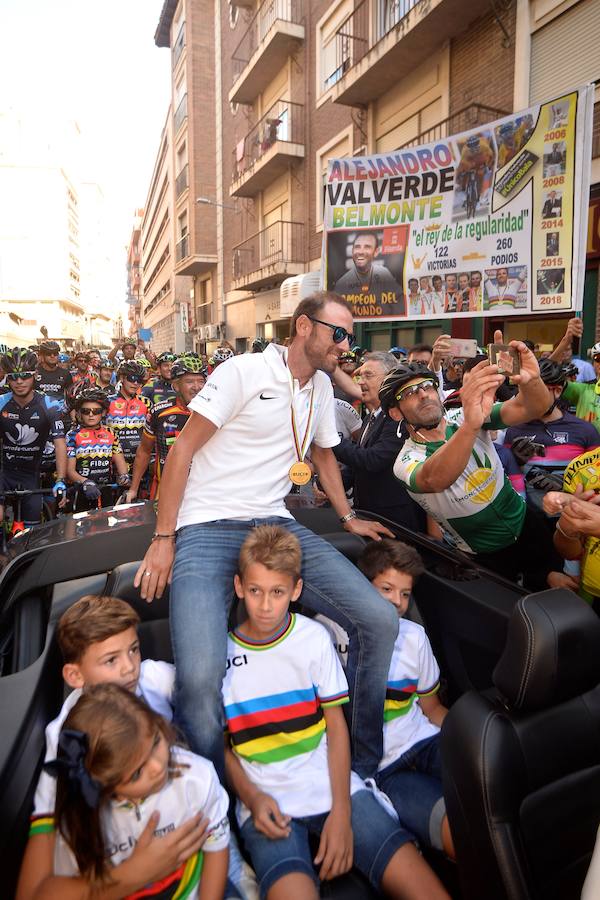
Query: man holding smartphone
point(451, 468)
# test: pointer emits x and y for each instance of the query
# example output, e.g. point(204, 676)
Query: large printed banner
point(489, 222)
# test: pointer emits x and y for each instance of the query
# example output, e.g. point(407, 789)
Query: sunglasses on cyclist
point(414, 389)
point(91, 411)
point(134, 379)
point(339, 334)
point(19, 376)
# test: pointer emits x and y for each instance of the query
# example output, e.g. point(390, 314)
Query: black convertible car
point(521, 743)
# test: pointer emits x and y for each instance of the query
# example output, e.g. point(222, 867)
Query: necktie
point(368, 427)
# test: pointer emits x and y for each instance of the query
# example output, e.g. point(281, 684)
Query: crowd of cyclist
point(90, 428)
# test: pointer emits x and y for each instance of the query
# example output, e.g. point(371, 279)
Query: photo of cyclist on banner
point(474, 175)
point(366, 267)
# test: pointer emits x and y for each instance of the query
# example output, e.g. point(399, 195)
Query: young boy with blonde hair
point(287, 745)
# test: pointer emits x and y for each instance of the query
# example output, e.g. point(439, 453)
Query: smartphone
point(506, 358)
point(463, 348)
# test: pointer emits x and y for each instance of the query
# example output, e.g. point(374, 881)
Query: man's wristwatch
point(347, 517)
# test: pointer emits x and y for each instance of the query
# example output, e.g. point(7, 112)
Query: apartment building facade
point(164, 297)
point(268, 91)
point(134, 275)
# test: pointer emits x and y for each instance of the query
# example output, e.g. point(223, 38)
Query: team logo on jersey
point(26, 435)
point(480, 483)
point(561, 437)
point(34, 416)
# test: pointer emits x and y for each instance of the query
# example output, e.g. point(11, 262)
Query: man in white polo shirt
point(230, 469)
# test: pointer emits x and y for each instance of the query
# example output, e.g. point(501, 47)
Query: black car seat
point(522, 764)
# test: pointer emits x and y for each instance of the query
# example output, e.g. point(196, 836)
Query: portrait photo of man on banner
point(366, 266)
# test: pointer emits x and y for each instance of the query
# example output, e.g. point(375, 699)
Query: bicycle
point(108, 496)
point(471, 195)
point(13, 525)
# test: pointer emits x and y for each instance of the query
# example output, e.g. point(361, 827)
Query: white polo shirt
point(242, 471)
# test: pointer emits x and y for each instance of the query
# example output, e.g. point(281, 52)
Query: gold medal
point(300, 473)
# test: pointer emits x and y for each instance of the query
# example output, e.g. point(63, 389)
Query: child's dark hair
point(387, 554)
point(115, 721)
point(91, 619)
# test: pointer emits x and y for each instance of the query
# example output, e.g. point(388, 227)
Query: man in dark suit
point(372, 456)
point(552, 208)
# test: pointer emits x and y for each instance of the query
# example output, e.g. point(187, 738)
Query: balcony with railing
point(267, 42)
point(197, 255)
point(180, 114)
point(464, 120)
point(181, 182)
point(382, 41)
point(179, 45)
point(269, 256)
point(269, 147)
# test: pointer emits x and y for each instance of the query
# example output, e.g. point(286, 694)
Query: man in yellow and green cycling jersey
point(585, 395)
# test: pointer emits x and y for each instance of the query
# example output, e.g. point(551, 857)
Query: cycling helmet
point(222, 354)
point(187, 364)
point(165, 357)
point(595, 350)
point(49, 347)
point(106, 363)
point(552, 373)
point(73, 392)
point(130, 341)
point(399, 352)
point(64, 357)
point(473, 142)
point(91, 395)
point(132, 368)
point(144, 362)
point(571, 370)
point(397, 378)
point(348, 356)
point(257, 346)
point(19, 359)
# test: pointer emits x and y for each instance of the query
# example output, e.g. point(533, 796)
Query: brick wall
point(481, 68)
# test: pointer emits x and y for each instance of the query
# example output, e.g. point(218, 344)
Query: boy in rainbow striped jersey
point(287, 752)
point(410, 769)
point(410, 772)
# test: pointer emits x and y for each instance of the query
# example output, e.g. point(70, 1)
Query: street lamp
point(207, 202)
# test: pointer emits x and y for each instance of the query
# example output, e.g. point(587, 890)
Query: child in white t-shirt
point(98, 639)
point(410, 769)
point(121, 781)
point(287, 747)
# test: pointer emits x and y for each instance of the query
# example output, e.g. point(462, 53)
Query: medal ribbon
point(301, 447)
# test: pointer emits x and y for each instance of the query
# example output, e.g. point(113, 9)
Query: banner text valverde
point(408, 162)
point(386, 213)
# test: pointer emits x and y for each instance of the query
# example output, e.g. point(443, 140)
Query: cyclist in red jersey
point(127, 411)
point(95, 458)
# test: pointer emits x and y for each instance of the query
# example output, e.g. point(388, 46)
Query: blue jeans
point(413, 782)
point(206, 560)
point(376, 838)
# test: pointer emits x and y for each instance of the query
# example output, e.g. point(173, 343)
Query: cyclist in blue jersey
point(159, 388)
point(28, 419)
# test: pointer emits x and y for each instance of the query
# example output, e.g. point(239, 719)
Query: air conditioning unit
point(298, 288)
point(202, 332)
point(212, 332)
